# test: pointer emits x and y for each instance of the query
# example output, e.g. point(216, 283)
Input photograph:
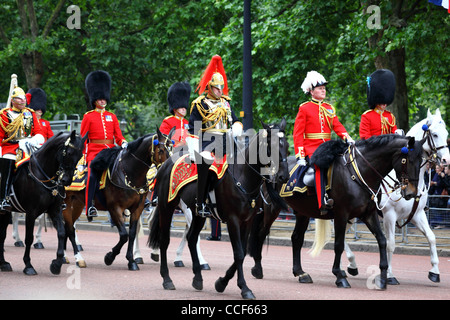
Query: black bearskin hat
point(380, 88)
point(98, 86)
point(178, 96)
point(38, 99)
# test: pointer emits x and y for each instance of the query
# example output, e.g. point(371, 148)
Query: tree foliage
point(148, 45)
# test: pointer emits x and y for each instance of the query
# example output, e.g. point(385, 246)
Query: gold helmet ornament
point(214, 76)
point(18, 93)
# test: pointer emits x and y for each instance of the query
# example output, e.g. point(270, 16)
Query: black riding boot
point(6, 169)
point(92, 190)
point(202, 186)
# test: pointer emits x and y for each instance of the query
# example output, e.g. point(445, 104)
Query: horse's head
point(278, 151)
point(162, 146)
point(68, 155)
point(406, 163)
point(435, 132)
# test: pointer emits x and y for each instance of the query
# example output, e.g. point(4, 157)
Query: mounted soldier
point(20, 136)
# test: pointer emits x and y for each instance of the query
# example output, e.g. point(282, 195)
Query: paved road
point(101, 282)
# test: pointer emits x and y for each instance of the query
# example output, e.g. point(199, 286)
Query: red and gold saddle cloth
point(80, 177)
point(184, 172)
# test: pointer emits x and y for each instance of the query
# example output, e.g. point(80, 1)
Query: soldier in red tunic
point(380, 93)
point(313, 125)
point(102, 127)
point(178, 99)
point(37, 100)
point(19, 129)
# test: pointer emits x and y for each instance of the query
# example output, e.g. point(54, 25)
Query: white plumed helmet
point(312, 80)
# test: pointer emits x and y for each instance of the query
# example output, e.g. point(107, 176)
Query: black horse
point(125, 188)
point(236, 194)
point(357, 178)
point(38, 187)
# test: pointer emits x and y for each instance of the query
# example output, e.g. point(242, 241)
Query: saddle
point(296, 181)
point(184, 172)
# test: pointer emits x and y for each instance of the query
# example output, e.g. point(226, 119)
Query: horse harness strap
point(127, 182)
point(411, 214)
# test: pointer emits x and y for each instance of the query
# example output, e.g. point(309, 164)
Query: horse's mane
point(327, 152)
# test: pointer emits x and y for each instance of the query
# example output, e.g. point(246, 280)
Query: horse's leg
point(257, 237)
point(178, 262)
point(29, 227)
point(132, 265)
point(4, 221)
point(123, 238)
point(192, 238)
point(136, 250)
point(371, 221)
point(41, 222)
point(421, 222)
point(339, 243)
point(297, 238)
point(57, 220)
point(165, 218)
point(352, 267)
point(389, 220)
point(15, 233)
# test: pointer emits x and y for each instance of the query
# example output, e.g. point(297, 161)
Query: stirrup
point(5, 205)
point(92, 212)
point(328, 202)
point(203, 211)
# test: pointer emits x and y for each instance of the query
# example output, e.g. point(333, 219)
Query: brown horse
point(125, 188)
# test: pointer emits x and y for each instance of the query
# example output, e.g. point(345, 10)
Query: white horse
point(178, 262)
point(395, 208)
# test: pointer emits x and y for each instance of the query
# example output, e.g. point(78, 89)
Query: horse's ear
point(265, 126)
point(158, 132)
point(85, 137)
point(73, 135)
point(172, 131)
point(438, 113)
point(283, 124)
point(411, 142)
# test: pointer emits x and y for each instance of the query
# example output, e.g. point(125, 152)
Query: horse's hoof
point(257, 273)
point(66, 260)
point(342, 283)
point(205, 266)
point(30, 271)
point(81, 264)
point(248, 295)
point(154, 257)
point(197, 284)
point(168, 285)
point(220, 284)
point(38, 245)
point(79, 247)
point(55, 266)
point(392, 281)
point(305, 278)
point(178, 264)
point(139, 260)
point(19, 244)
point(132, 266)
point(352, 271)
point(435, 277)
point(5, 267)
point(109, 258)
point(380, 283)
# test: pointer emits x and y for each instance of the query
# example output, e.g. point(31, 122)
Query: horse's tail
point(154, 240)
point(321, 237)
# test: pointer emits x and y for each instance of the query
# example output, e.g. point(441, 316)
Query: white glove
point(192, 144)
point(236, 129)
point(400, 132)
point(301, 162)
point(124, 145)
point(29, 145)
point(350, 140)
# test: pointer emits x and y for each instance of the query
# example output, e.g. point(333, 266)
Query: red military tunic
point(7, 116)
point(313, 126)
point(375, 122)
point(47, 131)
point(181, 132)
point(103, 128)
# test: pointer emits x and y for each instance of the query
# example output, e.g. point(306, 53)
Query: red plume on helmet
point(215, 65)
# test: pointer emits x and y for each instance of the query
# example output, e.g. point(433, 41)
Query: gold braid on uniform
point(12, 128)
point(211, 116)
point(328, 115)
point(386, 125)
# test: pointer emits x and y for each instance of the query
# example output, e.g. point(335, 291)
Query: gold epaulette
point(168, 117)
point(226, 97)
point(303, 104)
point(367, 111)
point(198, 100)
